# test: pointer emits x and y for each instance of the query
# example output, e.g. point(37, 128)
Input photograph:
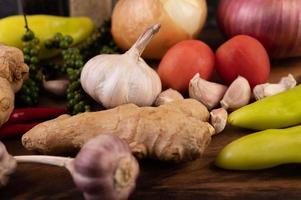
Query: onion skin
point(131, 17)
point(275, 23)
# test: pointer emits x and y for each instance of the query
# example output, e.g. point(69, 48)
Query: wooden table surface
point(195, 180)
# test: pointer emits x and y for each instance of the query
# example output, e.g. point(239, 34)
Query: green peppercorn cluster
point(72, 59)
point(72, 65)
point(29, 93)
point(59, 41)
point(78, 101)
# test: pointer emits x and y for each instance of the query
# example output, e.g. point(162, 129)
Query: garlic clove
point(268, 89)
point(237, 95)
point(206, 92)
point(168, 96)
point(218, 119)
point(272, 89)
point(57, 87)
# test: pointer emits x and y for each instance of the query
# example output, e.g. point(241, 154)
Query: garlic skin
point(269, 89)
point(168, 96)
point(237, 95)
point(218, 119)
point(206, 92)
point(113, 80)
point(7, 165)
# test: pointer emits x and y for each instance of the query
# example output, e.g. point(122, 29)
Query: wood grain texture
point(162, 181)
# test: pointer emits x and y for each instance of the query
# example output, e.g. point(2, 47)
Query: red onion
point(275, 23)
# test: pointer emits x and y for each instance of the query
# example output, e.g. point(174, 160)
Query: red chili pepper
point(34, 114)
point(11, 130)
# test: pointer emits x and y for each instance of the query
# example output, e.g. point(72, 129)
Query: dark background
point(60, 7)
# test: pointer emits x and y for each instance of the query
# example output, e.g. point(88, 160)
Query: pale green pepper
point(279, 111)
point(44, 26)
point(262, 150)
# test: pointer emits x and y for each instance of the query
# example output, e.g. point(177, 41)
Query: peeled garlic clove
point(237, 95)
point(7, 165)
point(218, 119)
point(272, 89)
point(206, 92)
point(268, 89)
point(168, 96)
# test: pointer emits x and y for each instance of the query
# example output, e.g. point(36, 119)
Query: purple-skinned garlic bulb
point(104, 169)
point(8, 165)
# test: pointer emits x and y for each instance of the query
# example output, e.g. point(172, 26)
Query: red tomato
point(245, 56)
point(183, 61)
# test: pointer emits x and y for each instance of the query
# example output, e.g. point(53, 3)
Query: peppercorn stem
point(25, 18)
point(48, 160)
point(26, 23)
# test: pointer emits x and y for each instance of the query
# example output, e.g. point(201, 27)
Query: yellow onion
point(275, 23)
point(179, 19)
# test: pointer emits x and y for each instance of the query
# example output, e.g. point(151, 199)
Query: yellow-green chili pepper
point(262, 150)
point(279, 111)
point(44, 27)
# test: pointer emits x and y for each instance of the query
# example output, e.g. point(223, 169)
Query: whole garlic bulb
point(105, 169)
point(119, 79)
point(7, 165)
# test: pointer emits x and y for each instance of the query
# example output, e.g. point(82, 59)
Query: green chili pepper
point(279, 111)
point(262, 150)
point(44, 26)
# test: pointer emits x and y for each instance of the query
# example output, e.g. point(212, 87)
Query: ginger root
point(177, 131)
point(13, 71)
point(7, 98)
point(12, 66)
